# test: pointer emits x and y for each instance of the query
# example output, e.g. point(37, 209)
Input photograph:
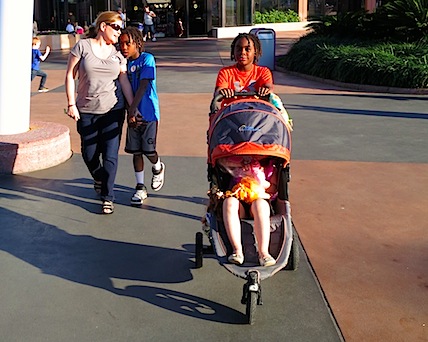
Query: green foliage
point(385, 48)
point(275, 16)
point(403, 65)
point(410, 17)
point(404, 20)
point(346, 24)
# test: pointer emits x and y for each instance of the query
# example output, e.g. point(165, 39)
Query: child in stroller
point(254, 193)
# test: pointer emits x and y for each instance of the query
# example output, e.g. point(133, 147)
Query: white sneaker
point(139, 196)
point(158, 178)
point(154, 39)
point(144, 38)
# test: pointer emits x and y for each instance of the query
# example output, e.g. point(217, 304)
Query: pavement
point(359, 204)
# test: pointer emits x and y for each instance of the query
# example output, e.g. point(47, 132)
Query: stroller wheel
point(294, 257)
point(199, 250)
point(251, 296)
point(251, 307)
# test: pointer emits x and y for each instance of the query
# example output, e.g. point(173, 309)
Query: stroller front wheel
point(199, 248)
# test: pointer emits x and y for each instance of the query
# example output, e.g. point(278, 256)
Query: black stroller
point(249, 127)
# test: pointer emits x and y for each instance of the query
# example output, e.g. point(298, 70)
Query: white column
point(16, 27)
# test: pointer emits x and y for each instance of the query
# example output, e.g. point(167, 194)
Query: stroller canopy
point(248, 127)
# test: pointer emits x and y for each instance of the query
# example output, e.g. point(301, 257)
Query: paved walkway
point(359, 201)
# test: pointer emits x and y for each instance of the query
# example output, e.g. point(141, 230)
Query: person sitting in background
point(70, 27)
point(79, 29)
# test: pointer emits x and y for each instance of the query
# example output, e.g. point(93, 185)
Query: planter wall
point(58, 41)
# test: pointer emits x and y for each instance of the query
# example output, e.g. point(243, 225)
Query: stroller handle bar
point(218, 98)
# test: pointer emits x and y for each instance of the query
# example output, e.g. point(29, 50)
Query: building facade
point(198, 16)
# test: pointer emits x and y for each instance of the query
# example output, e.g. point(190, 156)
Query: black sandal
point(108, 207)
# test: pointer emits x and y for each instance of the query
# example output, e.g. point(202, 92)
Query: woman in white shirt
point(149, 25)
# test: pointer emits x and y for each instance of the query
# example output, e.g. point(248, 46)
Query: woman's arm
point(126, 86)
point(70, 90)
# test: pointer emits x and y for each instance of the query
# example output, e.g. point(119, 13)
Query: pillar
point(16, 27)
point(303, 9)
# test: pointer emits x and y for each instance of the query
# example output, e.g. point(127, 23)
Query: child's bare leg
point(232, 223)
point(138, 162)
point(153, 157)
point(261, 211)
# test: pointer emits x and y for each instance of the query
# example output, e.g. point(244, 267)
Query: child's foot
point(158, 178)
point(139, 196)
point(237, 259)
point(267, 261)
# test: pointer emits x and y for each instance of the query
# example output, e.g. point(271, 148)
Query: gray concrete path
point(359, 170)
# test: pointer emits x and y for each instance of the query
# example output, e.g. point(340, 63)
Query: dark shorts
point(142, 139)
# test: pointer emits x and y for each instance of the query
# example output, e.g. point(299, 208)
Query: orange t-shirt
point(242, 81)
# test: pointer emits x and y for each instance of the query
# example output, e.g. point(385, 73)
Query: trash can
point(268, 42)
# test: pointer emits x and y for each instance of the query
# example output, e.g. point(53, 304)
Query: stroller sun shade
point(248, 127)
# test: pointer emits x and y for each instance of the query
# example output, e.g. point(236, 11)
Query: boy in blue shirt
point(37, 56)
point(143, 113)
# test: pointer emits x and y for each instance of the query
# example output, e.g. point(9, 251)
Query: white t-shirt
point(98, 89)
point(148, 19)
point(69, 28)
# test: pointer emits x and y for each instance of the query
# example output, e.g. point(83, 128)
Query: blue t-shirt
point(35, 61)
point(144, 67)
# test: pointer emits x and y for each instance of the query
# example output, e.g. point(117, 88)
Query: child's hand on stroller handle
point(215, 103)
point(227, 93)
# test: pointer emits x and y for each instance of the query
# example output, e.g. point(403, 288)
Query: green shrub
point(409, 17)
point(403, 65)
point(385, 48)
point(275, 16)
point(403, 20)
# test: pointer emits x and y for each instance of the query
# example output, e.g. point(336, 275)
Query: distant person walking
point(149, 25)
point(99, 108)
point(38, 57)
point(123, 16)
point(35, 28)
point(71, 17)
point(179, 28)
